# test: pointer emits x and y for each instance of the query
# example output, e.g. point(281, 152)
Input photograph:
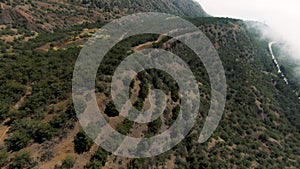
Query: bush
point(174, 95)
point(144, 90)
point(175, 112)
point(22, 160)
point(59, 121)
point(82, 142)
point(154, 126)
point(111, 110)
point(98, 159)
point(17, 141)
point(94, 165)
point(47, 155)
point(71, 111)
point(139, 104)
point(125, 127)
point(44, 132)
point(68, 163)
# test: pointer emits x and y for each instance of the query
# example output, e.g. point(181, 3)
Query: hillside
point(39, 129)
point(52, 14)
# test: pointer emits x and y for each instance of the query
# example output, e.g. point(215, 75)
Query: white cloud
point(282, 16)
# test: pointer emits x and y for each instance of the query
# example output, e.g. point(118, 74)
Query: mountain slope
point(52, 14)
point(259, 128)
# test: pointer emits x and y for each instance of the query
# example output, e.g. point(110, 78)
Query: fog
point(282, 16)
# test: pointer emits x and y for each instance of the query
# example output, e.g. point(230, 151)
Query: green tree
point(144, 90)
point(175, 112)
point(139, 104)
point(82, 142)
point(98, 159)
point(154, 126)
point(125, 127)
point(111, 110)
point(59, 121)
point(43, 132)
point(71, 111)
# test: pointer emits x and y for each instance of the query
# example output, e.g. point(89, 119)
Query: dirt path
point(3, 135)
point(15, 107)
point(4, 131)
point(148, 44)
point(61, 45)
point(27, 93)
point(30, 37)
point(79, 40)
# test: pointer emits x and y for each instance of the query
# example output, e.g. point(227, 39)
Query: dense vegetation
point(259, 128)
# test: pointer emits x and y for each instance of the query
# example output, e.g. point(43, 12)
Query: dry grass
point(62, 149)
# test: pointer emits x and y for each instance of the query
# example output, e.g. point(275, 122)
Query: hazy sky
point(281, 15)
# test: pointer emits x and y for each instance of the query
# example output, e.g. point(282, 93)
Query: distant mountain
point(52, 14)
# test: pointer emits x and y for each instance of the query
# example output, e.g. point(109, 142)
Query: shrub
point(111, 110)
point(44, 132)
point(22, 160)
point(82, 142)
point(68, 163)
point(98, 159)
point(59, 121)
point(47, 155)
point(17, 141)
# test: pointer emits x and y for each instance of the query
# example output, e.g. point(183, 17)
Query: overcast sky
point(281, 15)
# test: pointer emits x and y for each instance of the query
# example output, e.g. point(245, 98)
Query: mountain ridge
point(52, 14)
